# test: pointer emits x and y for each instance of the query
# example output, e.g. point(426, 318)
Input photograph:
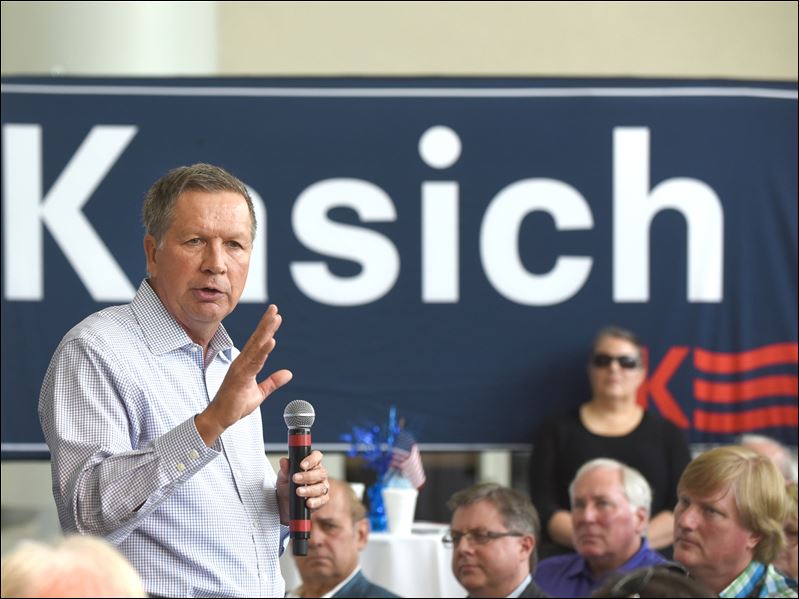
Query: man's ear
point(641, 520)
point(150, 248)
point(528, 545)
point(753, 540)
point(362, 532)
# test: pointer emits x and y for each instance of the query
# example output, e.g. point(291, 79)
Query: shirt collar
point(163, 333)
point(297, 592)
point(580, 567)
point(745, 582)
point(520, 589)
point(638, 559)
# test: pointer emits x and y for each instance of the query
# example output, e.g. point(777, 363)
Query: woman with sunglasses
point(610, 425)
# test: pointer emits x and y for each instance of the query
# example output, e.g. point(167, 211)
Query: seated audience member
point(788, 560)
point(76, 566)
point(728, 523)
point(667, 580)
point(611, 425)
point(339, 531)
point(493, 534)
point(610, 511)
point(776, 451)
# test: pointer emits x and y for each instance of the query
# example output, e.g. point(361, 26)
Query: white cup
point(358, 489)
point(400, 504)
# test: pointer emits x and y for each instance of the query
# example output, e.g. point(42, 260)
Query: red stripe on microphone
point(300, 526)
point(729, 363)
point(764, 386)
point(746, 420)
point(295, 440)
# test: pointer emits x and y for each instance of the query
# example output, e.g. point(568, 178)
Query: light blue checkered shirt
point(765, 579)
point(117, 408)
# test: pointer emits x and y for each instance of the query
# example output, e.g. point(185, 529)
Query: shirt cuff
point(284, 539)
point(183, 452)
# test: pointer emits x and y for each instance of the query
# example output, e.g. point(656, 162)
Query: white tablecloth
point(414, 565)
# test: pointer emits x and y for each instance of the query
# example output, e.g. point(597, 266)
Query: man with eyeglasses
point(339, 531)
point(610, 505)
point(493, 535)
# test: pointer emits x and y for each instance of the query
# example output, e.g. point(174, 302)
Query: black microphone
point(299, 417)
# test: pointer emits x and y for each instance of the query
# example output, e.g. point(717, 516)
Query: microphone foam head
point(299, 414)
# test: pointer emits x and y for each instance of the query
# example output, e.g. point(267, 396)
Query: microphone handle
point(300, 525)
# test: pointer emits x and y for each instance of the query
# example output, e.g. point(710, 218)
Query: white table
point(414, 565)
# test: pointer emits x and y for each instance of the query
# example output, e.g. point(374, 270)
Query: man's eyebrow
point(592, 496)
point(713, 504)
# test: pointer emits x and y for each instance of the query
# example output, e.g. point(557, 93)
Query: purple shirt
point(569, 575)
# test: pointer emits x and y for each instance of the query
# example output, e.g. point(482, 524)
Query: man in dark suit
point(339, 530)
point(493, 534)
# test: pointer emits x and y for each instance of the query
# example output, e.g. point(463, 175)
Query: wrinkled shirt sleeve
point(105, 485)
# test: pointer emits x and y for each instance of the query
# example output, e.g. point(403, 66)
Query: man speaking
point(151, 414)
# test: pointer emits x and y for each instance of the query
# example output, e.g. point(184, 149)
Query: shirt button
point(181, 467)
point(193, 454)
point(238, 473)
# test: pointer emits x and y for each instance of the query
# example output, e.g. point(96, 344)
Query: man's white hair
point(635, 487)
point(75, 566)
point(779, 454)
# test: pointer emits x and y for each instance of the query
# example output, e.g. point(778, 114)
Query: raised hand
point(240, 392)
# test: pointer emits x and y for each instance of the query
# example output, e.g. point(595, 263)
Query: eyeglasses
point(633, 583)
point(605, 360)
point(478, 537)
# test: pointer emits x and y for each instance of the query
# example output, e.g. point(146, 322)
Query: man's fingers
point(318, 495)
point(267, 326)
point(314, 473)
point(313, 460)
point(311, 477)
point(275, 381)
point(262, 341)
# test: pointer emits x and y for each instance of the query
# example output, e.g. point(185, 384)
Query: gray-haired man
point(610, 505)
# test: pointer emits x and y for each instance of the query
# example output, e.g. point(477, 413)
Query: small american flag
point(407, 460)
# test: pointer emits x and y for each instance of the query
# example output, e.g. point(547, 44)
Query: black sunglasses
point(605, 360)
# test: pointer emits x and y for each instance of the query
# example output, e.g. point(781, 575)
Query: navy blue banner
point(448, 246)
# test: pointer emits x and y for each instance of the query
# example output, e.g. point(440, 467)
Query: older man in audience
point(75, 566)
point(728, 523)
point(610, 505)
point(494, 531)
point(339, 531)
